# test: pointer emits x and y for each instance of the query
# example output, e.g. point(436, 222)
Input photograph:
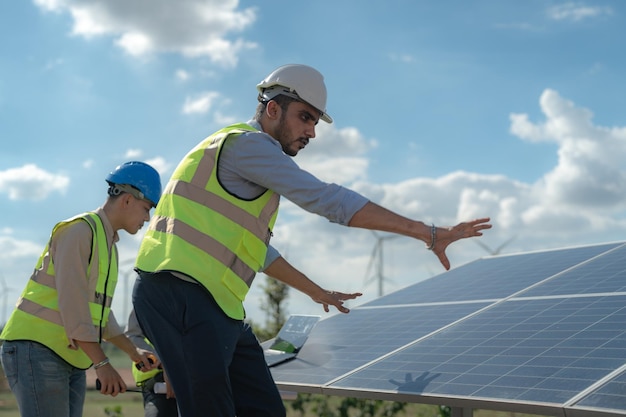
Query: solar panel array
point(538, 332)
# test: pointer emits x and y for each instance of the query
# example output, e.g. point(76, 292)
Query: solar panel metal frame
point(599, 398)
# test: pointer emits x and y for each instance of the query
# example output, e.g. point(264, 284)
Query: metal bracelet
point(100, 364)
point(433, 236)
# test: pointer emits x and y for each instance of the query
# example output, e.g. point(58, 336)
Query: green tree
point(276, 294)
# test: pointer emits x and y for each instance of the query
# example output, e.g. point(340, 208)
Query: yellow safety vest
point(205, 232)
point(37, 315)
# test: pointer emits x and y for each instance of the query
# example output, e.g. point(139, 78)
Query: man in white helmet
point(210, 235)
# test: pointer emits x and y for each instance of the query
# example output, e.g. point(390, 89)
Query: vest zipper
point(104, 296)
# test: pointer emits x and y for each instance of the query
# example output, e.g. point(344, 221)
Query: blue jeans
point(43, 383)
point(215, 363)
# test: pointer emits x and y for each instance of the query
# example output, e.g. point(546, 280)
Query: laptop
point(290, 339)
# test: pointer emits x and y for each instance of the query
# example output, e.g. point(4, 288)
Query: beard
point(284, 138)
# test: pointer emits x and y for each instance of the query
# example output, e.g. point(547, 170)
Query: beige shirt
point(71, 250)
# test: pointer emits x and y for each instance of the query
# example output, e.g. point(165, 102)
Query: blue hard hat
point(140, 176)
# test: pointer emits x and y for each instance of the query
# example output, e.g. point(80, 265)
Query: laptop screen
point(290, 338)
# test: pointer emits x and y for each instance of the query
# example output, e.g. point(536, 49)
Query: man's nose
point(310, 132)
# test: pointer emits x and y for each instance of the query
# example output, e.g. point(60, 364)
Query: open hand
point(336, 299)
point(447, 235)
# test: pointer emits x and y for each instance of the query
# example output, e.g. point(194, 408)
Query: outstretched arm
point(375, 217)
point(284, 272)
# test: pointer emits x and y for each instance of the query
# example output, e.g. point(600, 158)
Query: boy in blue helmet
point(64, 314)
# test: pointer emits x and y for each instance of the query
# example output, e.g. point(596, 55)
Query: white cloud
point(87, 20)
point(133, 153)
point(190, 27)
point(325, 155)
point(337, 170)
point(12, 249)
point(30, 182)
point(330, 141)
point(182, 75)
point(200, 103)
point(222, 119)
point(53, 63)
point(405, 58)
point(161, 165)
point(135, 43)
point(576, 11)
point(590, 171)
point(50, 5)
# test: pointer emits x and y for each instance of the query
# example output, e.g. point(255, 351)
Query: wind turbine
point(126, 276)
point(377, 260)
point(5, 299)
point(495, 251)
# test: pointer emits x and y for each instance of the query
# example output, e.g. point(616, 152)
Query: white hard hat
point(298, 81)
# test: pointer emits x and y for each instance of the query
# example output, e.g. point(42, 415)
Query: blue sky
point(444, 111)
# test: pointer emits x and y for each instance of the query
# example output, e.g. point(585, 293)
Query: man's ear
point(125, 199)
point(273, 110)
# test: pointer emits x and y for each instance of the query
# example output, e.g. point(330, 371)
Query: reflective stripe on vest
point(205, 232)
point(37, 316)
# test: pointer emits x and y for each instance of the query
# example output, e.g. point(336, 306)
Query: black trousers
point(215, 363)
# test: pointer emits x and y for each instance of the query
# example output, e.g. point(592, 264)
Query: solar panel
point(610, 397)
point(494, 277)
point(535, 332)
point(339, 346)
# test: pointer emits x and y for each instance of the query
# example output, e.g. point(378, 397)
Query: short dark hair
point(282, 100)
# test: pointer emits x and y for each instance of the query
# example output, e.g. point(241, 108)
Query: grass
point(131, 405)
point(95, 404)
